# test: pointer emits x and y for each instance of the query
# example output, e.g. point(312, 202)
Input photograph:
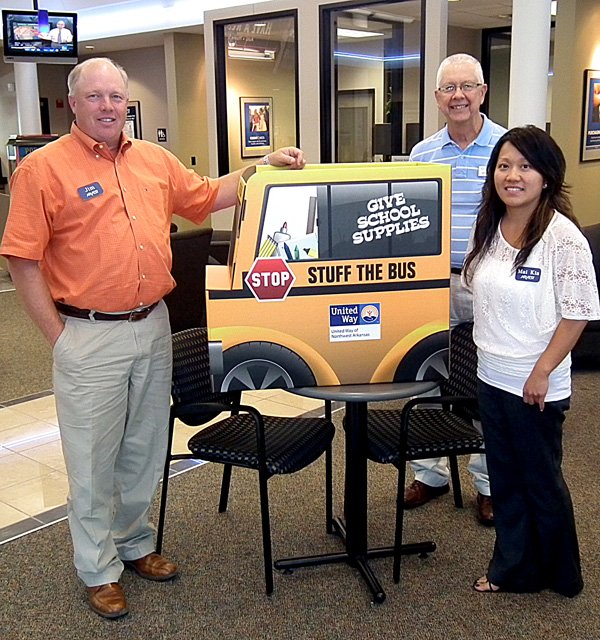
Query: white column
point(436, 44)
point(529, 61)
point(28, 98)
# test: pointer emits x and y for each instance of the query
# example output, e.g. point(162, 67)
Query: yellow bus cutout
point(337, 274)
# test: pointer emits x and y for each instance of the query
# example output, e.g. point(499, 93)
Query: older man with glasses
point(465, 143)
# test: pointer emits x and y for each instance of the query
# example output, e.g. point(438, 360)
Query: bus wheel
point(427, 360)
point(264, 365)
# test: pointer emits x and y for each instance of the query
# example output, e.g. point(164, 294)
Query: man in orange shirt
point(87, 243)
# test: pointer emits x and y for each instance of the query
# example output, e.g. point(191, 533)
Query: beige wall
point(577, 47)
point(52, 82)
point(186, 89)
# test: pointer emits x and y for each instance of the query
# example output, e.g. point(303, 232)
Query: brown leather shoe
point(485, 511)
point(418, 493)
point(108, 600)
point(153, 567)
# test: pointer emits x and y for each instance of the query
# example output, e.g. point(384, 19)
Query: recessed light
point(89, 46)
point(355, 33)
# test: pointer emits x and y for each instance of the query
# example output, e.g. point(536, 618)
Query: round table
point(354, 530)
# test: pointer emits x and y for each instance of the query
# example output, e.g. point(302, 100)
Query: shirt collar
point(98, 147)
point(483, 139)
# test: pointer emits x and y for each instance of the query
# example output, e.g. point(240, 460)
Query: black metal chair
point(270, 445)
point(445, 428)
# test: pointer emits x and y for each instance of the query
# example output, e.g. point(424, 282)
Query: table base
point(359, 562)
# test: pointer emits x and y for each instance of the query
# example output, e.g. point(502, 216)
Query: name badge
point(90, 191)
point(528, 274)
point(482, 171)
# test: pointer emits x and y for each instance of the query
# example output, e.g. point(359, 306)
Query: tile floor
point(33, 480)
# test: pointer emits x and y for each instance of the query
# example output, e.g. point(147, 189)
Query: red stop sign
point(270, 279)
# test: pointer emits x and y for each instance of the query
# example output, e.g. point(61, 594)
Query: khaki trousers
point(112, 388)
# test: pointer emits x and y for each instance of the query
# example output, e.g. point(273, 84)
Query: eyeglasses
point(465, 87)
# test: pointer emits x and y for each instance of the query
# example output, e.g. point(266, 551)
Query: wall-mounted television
point(39, 36)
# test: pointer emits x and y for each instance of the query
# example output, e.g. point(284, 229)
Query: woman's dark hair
point(546, 157)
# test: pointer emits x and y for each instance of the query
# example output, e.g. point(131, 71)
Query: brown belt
point(90, 314)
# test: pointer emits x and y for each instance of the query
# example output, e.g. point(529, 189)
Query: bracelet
point(266, 160)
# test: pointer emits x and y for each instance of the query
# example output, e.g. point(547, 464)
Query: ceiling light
point(250, 53)
point(355, 33)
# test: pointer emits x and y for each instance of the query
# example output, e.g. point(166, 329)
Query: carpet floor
point(25, 356)
point(220, 592)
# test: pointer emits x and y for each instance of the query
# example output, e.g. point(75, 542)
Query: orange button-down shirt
point(98, 225)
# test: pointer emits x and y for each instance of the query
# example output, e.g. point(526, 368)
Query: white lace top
point(516, 314)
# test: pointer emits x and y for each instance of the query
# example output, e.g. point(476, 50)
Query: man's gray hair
point(459, 58)
point(76, 72)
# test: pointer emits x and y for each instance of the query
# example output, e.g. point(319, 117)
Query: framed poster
point(133, 121)
point(256, 118)
point(590, 130)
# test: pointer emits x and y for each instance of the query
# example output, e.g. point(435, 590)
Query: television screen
point(39, 36)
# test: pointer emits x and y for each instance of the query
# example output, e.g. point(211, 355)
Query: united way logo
point(369, 313)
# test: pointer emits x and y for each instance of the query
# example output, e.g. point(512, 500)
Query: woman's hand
point(563, 340)
point(536, 388)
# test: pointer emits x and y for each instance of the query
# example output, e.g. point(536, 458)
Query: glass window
point(352, 221)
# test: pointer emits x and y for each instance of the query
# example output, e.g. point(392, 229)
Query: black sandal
point(488, 586)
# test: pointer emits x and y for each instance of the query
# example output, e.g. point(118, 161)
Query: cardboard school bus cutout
point(337, 274)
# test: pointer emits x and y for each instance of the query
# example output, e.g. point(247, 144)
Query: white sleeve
point(574, 277)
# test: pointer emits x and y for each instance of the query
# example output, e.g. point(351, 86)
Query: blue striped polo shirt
point(468, 175)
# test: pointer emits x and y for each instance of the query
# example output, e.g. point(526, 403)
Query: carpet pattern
point(220, 593)
point(25, 356)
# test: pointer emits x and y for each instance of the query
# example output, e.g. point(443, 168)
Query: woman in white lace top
point(534, 289)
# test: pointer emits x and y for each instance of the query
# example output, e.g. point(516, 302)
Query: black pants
point(536, 541)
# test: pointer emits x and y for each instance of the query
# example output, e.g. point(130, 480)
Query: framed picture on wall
point(256, 119)
point(590, 130)
point(133, 121)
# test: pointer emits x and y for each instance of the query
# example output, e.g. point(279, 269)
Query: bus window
point(290, 221)
point(381, 219)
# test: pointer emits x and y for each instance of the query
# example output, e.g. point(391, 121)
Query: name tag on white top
point(528, 274)
point(482, 171)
